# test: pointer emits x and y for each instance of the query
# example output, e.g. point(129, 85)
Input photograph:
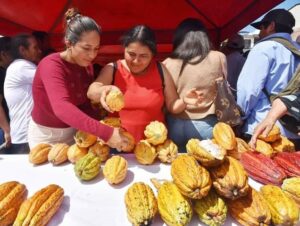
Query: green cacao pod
point(88, 167)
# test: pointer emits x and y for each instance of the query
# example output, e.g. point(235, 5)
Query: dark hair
point(40, 35)
point(142, 34)
point(17, 42)
point(5, 44)
point(190, 41)
point(283, 28)
point(76, 25)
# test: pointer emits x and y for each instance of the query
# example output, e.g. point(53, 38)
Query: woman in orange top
point(145, 89)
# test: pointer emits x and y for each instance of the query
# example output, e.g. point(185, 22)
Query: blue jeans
point(181, 130)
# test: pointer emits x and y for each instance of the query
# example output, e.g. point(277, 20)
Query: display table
point(93, 203)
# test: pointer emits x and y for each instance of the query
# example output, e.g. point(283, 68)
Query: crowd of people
point(46, 95)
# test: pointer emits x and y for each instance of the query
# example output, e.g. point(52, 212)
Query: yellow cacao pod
point(230, 179)
point(88, 167)
point(12, 194)
point(273, 135)
point(145, 153)
point(115, 169)
point(39, 154)
point(283, 144)
point(211, 209)
point(115, 100)
point(251, 209)
point(156, 133)
point(264, 148)
point(39, 208)
point(292, 187)
point(284, 210)
point(58, 153)
point(206, 152)
point(167, 151)
point(224, 136)
point(141, 204)
point(84, 139)
point(101, 150)
point(112, 121)
point(174, 208)
point(75, 153)
point(192, 179)
point(131, 142)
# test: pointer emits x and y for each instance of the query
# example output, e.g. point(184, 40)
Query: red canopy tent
point(222, 18)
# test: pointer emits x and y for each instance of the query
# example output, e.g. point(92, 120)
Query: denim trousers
point(182, 130)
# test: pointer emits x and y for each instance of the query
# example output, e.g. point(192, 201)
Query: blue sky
point(287, 4)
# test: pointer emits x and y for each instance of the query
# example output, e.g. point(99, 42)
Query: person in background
point(146, 90)
point(59, 89)
point(193, 64)
point(267, 70)
point(18, 89)
point(42, 38)
point(5, 60)
point(235, 59)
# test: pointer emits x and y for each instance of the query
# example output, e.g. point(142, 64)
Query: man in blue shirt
point(269, 65)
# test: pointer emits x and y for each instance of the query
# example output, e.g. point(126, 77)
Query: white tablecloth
point(91, 203)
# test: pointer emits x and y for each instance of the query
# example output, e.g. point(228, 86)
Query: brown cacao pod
point(101, 150)
point(141, 204)
point(224, 136)
point(250, 210)
point(284, 210)
point(39, 154)
point(115, 100)
point(290, 162)
point(39, 209)
point(58, 153)
point(192, 179)
point(262, 169)
point(84, 139)
point(283, 144)
point(156, 133)
point(12, 194)
point(75, 153)
point(115, 169)
point(292, 187)
point(273, 135)
point(145, 153)
point(167, 151)
point(264, 148)
point(230, 179)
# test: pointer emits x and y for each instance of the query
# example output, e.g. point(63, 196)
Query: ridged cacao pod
point(101, 150)
point(262, 169)
point(12, 194)
point(283, 144)
point(264, 148)
point(141, 204)
point(145, 153)
point(88, 167)
point(242, 147)
point(167, 151)
point(112, 121)
point(84, 140)
point(292, 187)
point(39, 154)
point(39, 209)
point(284, 210)
point(206, 152)
point(290, 162)
point(250, 210)
point(131, 142)
point(273, 135)
point(156, 133)
point(115, 100)
point(58, 153)
point(192, 179)
point(75, 153)
point(230, 179)
point(211, 209)
point(224, 136)
point(174, 208)
point(115, 169)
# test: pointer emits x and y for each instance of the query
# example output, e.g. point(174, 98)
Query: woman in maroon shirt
point(60, 86)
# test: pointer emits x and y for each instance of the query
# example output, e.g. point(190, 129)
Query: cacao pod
point(273, 135)
point(167, 151)
point(283, 144)
point(264, 148)
point(58, 153)
point(156, 133)
point(115, 169)
point(101, 150)
point(145, 153)
point(75, 153)
point(284, 210)
point(292, 187)
point(230, 179)
point(141, 204)
point(224, 136)
point(242, 147)
point(115, 100)
point(39, 208)
point(290, 162)
point(84, 140)
point(112, 121)
point(12, 194)
point(39, 154)
point(192, 179)
point(262, 169)
point(88, 167)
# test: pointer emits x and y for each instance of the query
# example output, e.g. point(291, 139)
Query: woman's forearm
point(277, 110)
point(94, 92)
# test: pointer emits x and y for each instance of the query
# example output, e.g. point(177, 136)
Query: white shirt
point(18, 95)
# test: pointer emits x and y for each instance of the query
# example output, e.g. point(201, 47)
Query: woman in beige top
point(193, 64)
